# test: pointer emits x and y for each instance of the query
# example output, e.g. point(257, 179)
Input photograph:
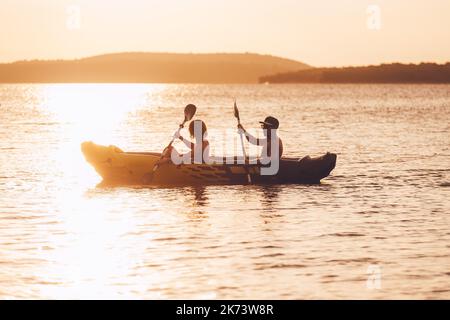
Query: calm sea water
point(379, 227)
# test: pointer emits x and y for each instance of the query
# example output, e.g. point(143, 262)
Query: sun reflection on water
point(94, 111)
point(91, 252)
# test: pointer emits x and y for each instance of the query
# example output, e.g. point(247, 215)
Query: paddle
point(236, 114)
point(189, 112)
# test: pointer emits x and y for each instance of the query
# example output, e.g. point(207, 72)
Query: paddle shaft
point(156, 166)
point(173, 138)
point(249, 178)
point(242, 141)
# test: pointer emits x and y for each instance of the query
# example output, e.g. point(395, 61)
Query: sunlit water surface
point(379, 227)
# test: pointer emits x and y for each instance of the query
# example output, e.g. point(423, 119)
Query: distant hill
point(150, 67)
point(385, 73)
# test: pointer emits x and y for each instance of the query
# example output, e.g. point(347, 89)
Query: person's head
point(269, 123)
point(197, 129)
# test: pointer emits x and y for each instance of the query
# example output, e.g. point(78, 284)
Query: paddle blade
point(189, 112)
point(236, 110)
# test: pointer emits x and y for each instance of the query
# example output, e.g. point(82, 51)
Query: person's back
point(272, 138)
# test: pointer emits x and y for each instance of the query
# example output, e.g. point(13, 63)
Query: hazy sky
point(318, 32)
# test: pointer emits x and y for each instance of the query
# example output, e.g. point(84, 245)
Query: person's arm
point(188, 144)
point(250, 138)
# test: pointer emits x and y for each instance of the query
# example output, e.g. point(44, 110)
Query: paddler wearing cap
point(270, 127)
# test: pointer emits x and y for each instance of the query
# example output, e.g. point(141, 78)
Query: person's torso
point(267, 147)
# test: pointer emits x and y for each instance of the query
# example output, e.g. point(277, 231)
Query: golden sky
point(317, 32)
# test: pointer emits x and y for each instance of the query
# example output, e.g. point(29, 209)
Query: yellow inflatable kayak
point(135, 168)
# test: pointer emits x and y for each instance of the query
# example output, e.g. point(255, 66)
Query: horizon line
point(218, 53)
